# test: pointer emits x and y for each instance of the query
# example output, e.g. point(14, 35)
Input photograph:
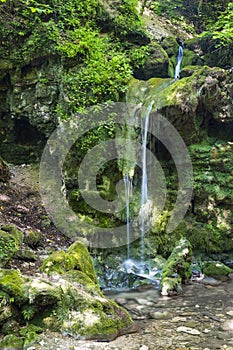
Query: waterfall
point(128, 188)
point(144, 184)
point(178, 62)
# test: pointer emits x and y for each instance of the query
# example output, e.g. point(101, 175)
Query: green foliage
point(127, 18)
point(103, 75)
point(138, 55)
point(167, 8)
point(72, 30)
point(223, 28)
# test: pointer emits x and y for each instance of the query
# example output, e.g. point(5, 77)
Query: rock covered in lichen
point(177, 268)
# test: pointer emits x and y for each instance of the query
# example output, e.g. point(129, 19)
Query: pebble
point(188, 330)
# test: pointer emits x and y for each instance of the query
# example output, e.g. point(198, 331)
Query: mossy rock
point(25, 254)
point(8, 247)
point(216, 269)
point(14, 231)
point(10, 240)
point(71, 304)
point(11, 341)
point(10, 327)
point(156, 65)
point(190, 58)
point(82, 279)
point(177, 268)
point(76, 257)
point(7, 310)
point(32, 238)
point(13, 284)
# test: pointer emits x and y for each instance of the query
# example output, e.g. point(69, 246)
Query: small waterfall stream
point(178, 62)
point(128, 189)
point(144, 184)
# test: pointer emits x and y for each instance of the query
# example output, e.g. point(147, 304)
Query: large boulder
point(216, 269)
point(67, 299)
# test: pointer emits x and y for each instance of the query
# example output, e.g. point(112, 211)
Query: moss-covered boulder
point(67, 300)
point(32, 238)
point(177, 268)
point(75, 258)
point(13, 284)
point(10, 240)
point(216, 269)
point(72, 304)
point(156, 65)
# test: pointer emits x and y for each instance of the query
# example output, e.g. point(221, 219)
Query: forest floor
point(21, 205)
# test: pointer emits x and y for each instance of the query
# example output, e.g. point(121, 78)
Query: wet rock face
point(28, 99)
point(197, 105)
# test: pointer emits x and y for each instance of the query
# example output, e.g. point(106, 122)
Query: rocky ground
point(200, 319)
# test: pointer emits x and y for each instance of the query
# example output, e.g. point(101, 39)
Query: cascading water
point(128, 188)
point(178, 62)
point(144, 185)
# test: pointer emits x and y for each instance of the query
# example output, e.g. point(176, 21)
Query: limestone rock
point(70, 302)
point(32, 238)
point(188, 330)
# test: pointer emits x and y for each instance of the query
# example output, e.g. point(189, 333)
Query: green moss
point(103, 320)
point(16, 233)
point(12, 283)
point(32, 238)
point(81, 278)
point(76, 258)
point(8, 247)
point(11, 342)
point(216, 269)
